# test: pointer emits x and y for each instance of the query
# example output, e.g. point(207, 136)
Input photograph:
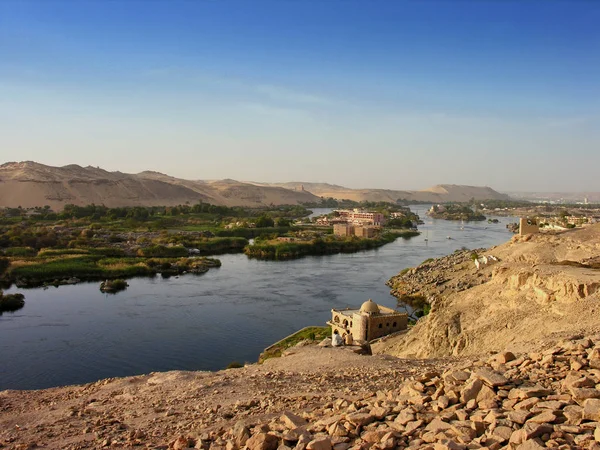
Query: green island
point(40, 247)
point(11, 302)
point(284, 248)
point(454, 211)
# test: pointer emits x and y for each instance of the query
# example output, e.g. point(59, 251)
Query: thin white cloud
point(267, 109)
point(568, 122)
point(282, 94)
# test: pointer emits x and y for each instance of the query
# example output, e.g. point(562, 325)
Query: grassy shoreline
point(293, 250)
point(315, 334)
point(70, 269)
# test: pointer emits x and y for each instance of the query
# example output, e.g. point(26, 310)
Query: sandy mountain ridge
point(437, 194)
point(30, 184)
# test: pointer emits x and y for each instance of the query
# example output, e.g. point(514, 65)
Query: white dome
point(369, 307)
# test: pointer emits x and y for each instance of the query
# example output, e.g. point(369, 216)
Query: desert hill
point(542, 285)
point(436, 194)
point(30, 184)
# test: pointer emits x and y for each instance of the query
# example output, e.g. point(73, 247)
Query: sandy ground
point(150, 411)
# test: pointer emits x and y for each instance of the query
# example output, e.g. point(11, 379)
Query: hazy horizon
point(393, 95)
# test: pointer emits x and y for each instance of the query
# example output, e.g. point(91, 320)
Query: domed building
point(370, 322)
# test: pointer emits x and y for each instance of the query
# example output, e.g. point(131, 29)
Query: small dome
point(369, 307)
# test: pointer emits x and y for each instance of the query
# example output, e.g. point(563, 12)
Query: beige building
point(348, 229)
point(370, 322)
point(359, 217)
point(528, 226)
point(343, 229)
point(364, 231)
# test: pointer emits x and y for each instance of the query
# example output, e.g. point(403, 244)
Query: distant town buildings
point(370, 322)
point(348, 229)
point(359, 217)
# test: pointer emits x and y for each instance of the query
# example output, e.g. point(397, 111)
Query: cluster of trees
point(141, 213)
point(400, 222)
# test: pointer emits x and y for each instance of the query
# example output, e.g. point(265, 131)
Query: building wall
point(380, 325)
point(365, 232)
point(359, 327)
point(528, 226)
point(364, 327)
point(343, 229)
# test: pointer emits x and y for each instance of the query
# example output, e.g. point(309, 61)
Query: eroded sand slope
point(542, 286)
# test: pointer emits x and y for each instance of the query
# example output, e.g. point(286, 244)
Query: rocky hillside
point(525, 291)
point(30, 184)
point(437, 194)
point(328, 399)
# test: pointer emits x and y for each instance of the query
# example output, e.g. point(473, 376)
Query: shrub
point(113, 286)
point(20, 251)
point(160, 251)
point(234, 365)
point(4, 263)
point(11, 302)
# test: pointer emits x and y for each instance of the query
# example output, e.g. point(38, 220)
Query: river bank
point(75, 334)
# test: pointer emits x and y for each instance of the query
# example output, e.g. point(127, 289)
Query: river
point(76, 334)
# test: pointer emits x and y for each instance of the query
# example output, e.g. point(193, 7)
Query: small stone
point(591, 409)
point(320, 443)
point(545, 417)
point(360, 419)
point(291, 420)
point(491, 378)
point(531, 444)
point(470, 391)
point(411, 427)
point(263, 441)
point(437, 425)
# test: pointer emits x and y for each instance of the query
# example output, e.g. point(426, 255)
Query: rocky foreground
point(323, 398)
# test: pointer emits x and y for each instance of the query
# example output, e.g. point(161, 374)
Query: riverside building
point(370, 322)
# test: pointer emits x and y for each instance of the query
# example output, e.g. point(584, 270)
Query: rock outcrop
point(514, 296)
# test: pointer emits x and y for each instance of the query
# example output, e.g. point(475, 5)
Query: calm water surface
point(76, 334)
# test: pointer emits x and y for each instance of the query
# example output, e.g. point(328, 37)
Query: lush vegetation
point(453, 211)
point(113, 286)
point(40, 246)
point(11, 302)
point(282, 250)
point(73, 268)
point(309, 333)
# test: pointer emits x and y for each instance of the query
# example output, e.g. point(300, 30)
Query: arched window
point(387, 325)
point(336, 319)
point(380, 325)
point(394, 325)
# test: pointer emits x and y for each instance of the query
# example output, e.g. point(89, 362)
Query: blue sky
point(387, 94)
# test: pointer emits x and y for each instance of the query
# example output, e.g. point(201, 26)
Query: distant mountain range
point(30, 184)
point(437, 194)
